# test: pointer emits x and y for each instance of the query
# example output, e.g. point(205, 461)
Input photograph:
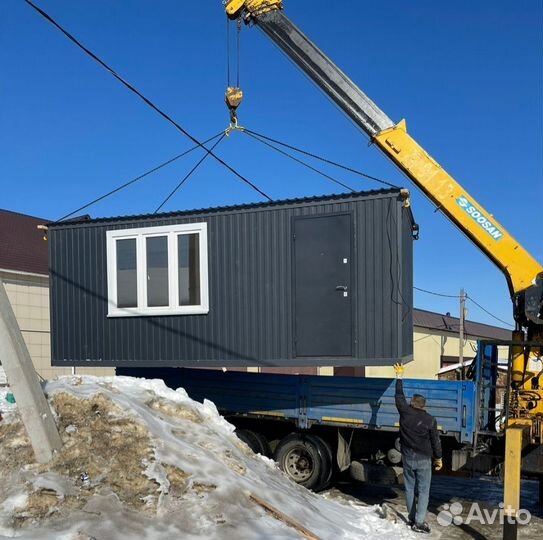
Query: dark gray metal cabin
point(316, 281)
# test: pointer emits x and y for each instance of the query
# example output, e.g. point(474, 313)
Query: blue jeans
point(417, 474)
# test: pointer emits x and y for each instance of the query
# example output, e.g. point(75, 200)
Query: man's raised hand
point(399, 369)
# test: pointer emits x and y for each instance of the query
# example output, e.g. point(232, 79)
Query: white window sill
point(158, 312)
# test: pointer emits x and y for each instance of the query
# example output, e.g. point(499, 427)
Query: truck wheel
point(303, 460)
point(253, 440)
point(328, 471)
point(263, 444)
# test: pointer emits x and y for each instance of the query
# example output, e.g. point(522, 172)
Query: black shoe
point(410, 523)
point(421, 528)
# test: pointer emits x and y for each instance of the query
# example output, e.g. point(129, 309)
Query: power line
point(468, 297)
point(134, 180)
point(436, 293)
point(323, 159)
point(146, 100)
point(487, 312)
point(294, 158)
point(188, 175)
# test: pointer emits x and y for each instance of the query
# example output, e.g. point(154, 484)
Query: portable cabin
point(314, 281)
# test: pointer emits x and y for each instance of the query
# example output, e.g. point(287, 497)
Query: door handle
point(341, 287)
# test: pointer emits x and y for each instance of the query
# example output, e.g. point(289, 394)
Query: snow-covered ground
point(141, 461)
point(463, 494)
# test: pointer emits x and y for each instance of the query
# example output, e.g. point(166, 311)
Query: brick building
point(24, 271)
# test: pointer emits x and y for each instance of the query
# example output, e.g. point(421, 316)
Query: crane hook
point(233, 98)
point(234, 94)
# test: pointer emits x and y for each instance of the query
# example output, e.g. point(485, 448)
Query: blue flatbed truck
point(317, 426)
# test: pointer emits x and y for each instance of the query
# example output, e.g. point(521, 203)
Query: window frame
point(140, 234)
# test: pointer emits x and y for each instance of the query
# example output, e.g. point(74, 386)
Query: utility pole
point(461, 331)
point(25, 385)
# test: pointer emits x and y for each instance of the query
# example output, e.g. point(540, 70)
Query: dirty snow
point(141, 461)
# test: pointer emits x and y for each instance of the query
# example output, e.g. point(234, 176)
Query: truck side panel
point(313, 400)
point(370, 402)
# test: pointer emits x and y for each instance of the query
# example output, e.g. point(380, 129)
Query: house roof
point(239, 207)
point(502, 364)
point(22, 247)
point(437, 321)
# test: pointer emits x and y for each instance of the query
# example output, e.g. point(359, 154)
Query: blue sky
point(467, 76)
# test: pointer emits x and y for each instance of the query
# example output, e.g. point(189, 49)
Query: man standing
point(420, 444)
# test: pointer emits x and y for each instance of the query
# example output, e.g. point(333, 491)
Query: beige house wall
point(29, 297)
point(428, 347)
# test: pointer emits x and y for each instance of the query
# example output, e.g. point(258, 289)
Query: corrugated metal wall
point(250, 286)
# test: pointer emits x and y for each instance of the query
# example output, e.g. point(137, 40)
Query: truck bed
point(358, 402)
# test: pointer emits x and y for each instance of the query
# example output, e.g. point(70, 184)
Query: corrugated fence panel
point(250, 321)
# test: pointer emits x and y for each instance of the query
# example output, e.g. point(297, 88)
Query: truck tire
point(330, 463)
point(256, 442)
point(303, 460)
point(263, 444)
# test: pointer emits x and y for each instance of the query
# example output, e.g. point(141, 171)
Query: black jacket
point(418, 429)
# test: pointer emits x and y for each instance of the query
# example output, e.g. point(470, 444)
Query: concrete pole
point(461, 332)
point(25, 385)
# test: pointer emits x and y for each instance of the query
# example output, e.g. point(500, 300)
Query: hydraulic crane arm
point(523, 273)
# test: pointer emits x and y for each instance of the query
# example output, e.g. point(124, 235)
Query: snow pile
point(141, 461)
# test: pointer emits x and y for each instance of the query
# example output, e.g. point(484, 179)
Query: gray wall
point(250, 286)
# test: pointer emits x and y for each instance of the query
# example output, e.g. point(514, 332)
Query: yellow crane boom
point(523, 273)
point(519, 267)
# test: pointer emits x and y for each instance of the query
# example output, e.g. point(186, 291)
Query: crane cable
point(234, 94)
point(323, 159)
point(189, 174)
point(137, 178)
point(146, 100)
point(228, 50)
point(235, 102)
point(297, 160)
point(238, 50)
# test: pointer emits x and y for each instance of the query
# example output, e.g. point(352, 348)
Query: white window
point(157, 271)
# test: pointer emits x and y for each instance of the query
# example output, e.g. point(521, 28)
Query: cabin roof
point(87, 220)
